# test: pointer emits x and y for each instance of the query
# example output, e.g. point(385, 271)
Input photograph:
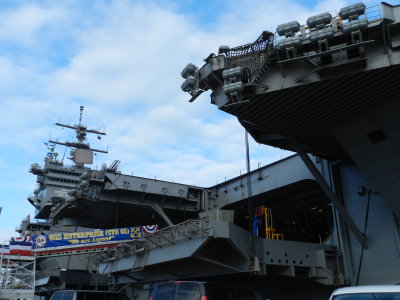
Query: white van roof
point(367, 289)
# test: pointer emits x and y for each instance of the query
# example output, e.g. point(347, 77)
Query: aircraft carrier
point(327, 216)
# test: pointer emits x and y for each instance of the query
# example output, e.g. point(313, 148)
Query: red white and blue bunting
point(149, 229)
point(21, 245)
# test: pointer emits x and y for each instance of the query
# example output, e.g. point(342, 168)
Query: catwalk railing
point(171, 235)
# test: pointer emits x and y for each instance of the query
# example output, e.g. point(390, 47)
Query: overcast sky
point(122, 61)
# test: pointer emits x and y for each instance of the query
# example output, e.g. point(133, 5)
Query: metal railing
point(373, 13)
point(171, 235)
point(189, 229)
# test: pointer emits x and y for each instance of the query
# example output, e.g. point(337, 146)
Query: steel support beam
point(328, 192)
point(161, 212)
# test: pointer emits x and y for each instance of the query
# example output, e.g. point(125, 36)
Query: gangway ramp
point(219, 248)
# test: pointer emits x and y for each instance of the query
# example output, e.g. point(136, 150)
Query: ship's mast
point(81, 153)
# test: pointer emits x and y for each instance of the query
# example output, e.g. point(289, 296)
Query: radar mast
point(81, 152)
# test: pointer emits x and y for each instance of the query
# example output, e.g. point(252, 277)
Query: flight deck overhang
point(114, 199)
point(144, 191)
point(330, 88)
point(305, 85)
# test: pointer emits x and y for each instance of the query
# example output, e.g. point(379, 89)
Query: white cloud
point(6, 233)
point(23, 24)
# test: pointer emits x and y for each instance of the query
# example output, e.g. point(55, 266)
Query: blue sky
point(122, 61)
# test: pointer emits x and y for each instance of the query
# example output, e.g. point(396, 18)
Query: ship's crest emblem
point(41, 241)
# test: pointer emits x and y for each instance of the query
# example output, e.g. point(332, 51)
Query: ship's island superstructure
point(297, 228)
